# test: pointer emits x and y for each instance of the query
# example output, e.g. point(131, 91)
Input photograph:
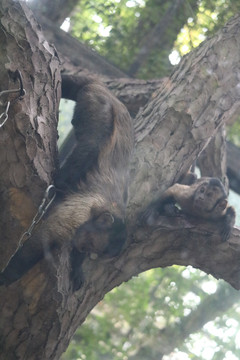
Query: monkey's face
point(210, 199)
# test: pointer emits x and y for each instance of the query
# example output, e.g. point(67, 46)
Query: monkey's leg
point(33, 250)
point(93, 123)
point(24, 259)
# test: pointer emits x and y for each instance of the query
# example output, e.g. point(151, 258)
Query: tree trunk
point(40, 312)
point(28, 139)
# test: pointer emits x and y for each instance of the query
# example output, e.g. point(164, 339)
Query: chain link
point(48, 198)
point(50, 192)
point(21, 91)
point(4, 115)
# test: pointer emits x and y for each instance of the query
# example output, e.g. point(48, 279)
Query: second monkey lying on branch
point(205, 198)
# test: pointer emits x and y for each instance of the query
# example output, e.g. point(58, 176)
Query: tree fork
point(39, 312)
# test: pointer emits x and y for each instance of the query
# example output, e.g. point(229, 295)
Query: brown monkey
point(206, 198)
point(90, 211)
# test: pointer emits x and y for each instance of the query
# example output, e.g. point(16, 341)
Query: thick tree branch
point(213, 160)
point(189, 108)
point(72, 51)
point(171, 129)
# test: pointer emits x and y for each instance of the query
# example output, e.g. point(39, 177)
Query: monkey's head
point(103, 234)
point(210, 198)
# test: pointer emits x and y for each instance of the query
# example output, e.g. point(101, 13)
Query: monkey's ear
point(105, 220)
point(223, 204)
point(102, 218)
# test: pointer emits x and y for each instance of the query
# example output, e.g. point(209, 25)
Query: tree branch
point(178, 123)
point(73, 53)
point(171, 129)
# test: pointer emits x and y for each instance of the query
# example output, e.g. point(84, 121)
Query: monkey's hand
point(151, 213)
point(228, 223)
point(158, 208)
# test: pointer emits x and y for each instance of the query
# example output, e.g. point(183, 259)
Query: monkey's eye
point(202, 189)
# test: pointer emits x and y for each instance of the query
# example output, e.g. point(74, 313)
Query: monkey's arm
point(165, 203)
point(23, 260)
point(205, 199)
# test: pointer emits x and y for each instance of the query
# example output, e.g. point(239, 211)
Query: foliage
point(118, 29)
point(108, 27)
point(138, 314)
point(210, 17)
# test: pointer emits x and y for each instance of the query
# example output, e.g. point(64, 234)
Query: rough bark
point(185, 114)
point(40, 312)
point(133, 93)
point(213, 160)
point(233, 166)
point(28, 138)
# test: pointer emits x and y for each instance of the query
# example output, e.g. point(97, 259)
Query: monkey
point(204, 198)
point(89, 213)
point(103, 132)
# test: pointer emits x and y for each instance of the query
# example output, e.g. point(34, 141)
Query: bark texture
point(28, 150)
point(39, 313)
point(213, 160)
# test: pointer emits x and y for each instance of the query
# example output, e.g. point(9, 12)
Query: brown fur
point(89, 214)
point(206, 198)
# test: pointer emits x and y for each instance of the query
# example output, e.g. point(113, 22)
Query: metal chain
point(50, 192)
point(48, 198)
point(4, 115)
point(21, 91)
